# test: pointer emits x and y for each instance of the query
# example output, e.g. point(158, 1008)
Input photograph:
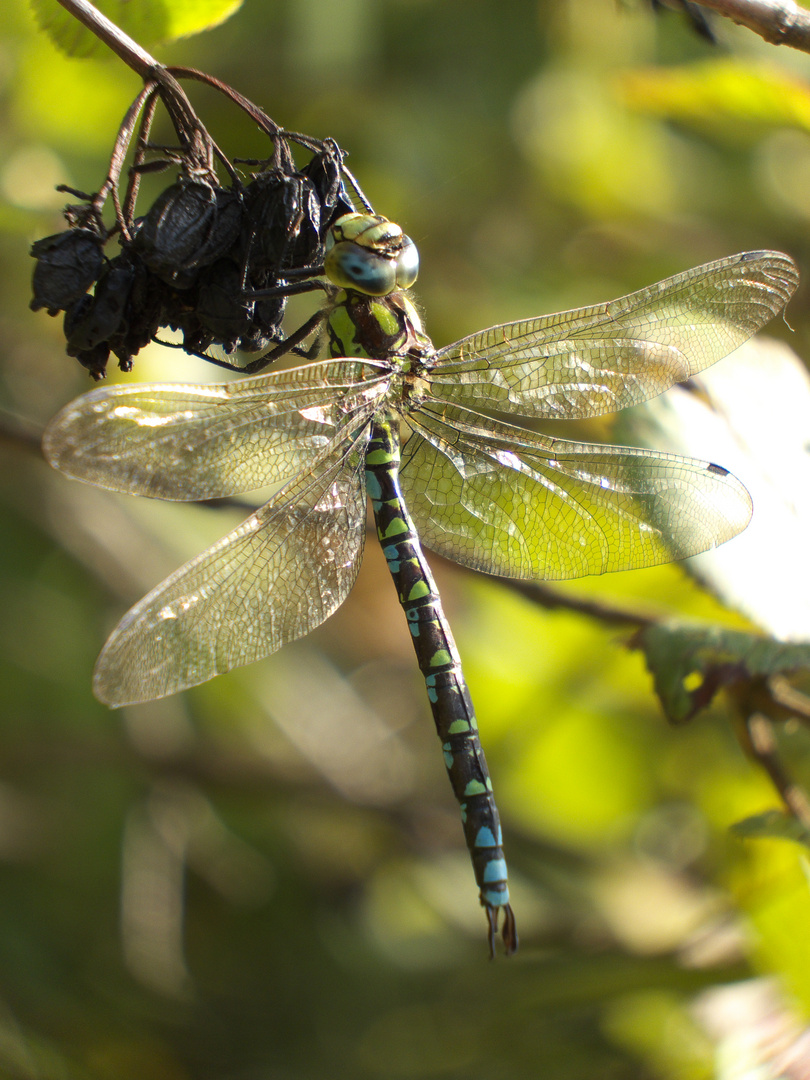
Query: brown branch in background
point(546, 596)
point(550, 598)
point(780, 22)
point(762, 746)
point(20, 433)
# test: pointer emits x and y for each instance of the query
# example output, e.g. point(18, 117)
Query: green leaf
point(690, 663)
point(147, 21)
point(731, 98)
point(772, 824)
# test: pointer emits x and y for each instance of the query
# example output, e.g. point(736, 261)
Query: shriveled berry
point(67, 265)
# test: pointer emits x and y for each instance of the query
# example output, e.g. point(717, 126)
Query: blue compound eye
point(350, 266)
point(407, 264)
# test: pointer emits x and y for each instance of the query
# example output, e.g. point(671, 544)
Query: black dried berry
point(273, 204)
point(324, 171)
point(222, 307)
point(99, 317)
point(67, 265)
point(190, 225)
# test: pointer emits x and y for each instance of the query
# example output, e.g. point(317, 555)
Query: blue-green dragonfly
point(425, 434)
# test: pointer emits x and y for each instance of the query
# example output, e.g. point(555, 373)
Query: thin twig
point(147, 100)
point(787, 697)
point(763, 747)
point(780, 22)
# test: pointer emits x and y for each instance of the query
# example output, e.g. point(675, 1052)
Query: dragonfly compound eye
point(407, 263)
point(370, 254)
point(350, 266)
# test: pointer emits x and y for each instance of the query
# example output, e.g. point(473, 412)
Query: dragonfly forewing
point(515, 504)
point(270, 581)
point(173, 441)
point(597, 360)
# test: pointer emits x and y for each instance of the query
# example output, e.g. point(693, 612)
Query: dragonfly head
point(371, 255)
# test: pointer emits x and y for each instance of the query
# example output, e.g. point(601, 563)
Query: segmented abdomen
point(440, 664)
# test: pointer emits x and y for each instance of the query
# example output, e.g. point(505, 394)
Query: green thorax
point(377, 328)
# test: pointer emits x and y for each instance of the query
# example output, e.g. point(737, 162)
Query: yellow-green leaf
point(726, 96)
point(147, 21)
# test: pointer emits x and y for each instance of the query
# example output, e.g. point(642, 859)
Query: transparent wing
point(601, 359)
point(508, 502)
point(201, 442)
point(270, 581)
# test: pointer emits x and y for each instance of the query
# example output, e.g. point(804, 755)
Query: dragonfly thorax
point(379, 328)
point(369, 254)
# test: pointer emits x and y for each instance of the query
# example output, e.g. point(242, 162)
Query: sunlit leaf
point(711, 94)
point(689, 664)
point(147, 21)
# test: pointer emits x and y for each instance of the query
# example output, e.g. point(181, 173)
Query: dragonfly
point(439, 441)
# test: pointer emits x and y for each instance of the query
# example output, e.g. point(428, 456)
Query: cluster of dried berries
point(211, 261)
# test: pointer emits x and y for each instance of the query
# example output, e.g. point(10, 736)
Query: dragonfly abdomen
point(440, 665)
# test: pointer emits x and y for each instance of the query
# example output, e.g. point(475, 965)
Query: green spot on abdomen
point(475, 787)
point(396, 527)
point(378, 457)
point(419, 590)
point(441, 658)
point(457, 727)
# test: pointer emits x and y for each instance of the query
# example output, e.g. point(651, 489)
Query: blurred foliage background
point(265, 878)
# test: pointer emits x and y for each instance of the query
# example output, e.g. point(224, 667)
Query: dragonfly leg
point(289, 344)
